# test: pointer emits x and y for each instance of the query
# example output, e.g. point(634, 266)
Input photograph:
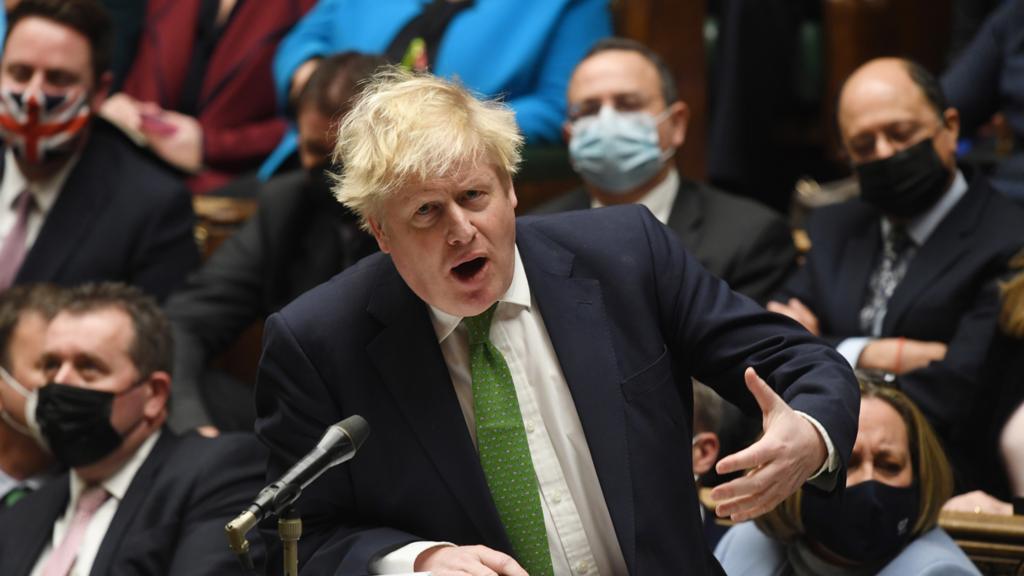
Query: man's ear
point(99, 95)
point(378, 233)
point(679, 118)
point(705, 452)
point(160, 391)
point(951, 118)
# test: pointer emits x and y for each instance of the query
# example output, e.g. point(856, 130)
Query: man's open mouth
point(468, 269)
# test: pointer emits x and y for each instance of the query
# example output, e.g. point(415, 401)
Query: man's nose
point(460, 229)
point(883, 148)
point(67, 374)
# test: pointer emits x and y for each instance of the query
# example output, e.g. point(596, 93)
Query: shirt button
point(557, 498)
point(582, 567)
point(529, 427)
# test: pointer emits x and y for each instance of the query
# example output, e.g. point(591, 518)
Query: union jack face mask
point(40, 127)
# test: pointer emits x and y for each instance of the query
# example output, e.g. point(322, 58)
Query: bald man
point(903, 279)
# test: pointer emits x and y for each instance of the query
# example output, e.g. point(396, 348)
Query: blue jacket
point(524, 51)
point(746, 550)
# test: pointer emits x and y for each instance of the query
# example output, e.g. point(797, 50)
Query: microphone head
point(357, 429)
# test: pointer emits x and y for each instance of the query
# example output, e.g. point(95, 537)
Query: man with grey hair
point(529, 380)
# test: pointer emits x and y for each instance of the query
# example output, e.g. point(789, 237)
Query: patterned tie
point(14, 495)
point(898, 250)
point(13, 252)
point(504, 451)
point(63, 557)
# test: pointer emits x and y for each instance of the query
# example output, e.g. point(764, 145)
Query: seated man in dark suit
point(138, 499)
point(299, 237)
point(626, 123)
point(25, 312)
point(78, 201)
point(903, 279)
point(529, 380)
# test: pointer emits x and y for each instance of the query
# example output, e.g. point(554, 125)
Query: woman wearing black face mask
point(886, 521)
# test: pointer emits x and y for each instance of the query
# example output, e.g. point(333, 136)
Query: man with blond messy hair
point(528, 381)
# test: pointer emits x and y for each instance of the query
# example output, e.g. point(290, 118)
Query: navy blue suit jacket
point(631, 317)
point(171, 520)
point(121, 217)
point(949, 293)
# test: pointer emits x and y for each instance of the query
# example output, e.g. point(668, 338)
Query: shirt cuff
point(825, 477)
point(403, 560)
point(851, 348)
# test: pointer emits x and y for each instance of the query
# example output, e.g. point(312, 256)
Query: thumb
point(766, 398)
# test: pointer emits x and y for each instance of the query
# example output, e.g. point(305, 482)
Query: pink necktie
point(63, 557)
point(13, 252)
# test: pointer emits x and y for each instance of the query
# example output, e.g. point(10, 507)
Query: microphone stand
point(289, 529)
point(236, 531)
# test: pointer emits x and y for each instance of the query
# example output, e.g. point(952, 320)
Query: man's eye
point(19, 73)
point(424, 210)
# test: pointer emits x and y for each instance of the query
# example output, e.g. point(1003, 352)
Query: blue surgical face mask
point(618, 151)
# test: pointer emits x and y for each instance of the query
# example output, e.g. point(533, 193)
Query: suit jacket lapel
point(573, 312)
point(138, 492)
point(855, 265)
point(410, 363)
point(942, 250)
point(72, 215)
point(36, 533)
point(686, 215)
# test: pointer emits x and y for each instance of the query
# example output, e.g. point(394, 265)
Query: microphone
point(338, 444)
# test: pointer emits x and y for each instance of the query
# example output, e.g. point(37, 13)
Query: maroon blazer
point(236, 107)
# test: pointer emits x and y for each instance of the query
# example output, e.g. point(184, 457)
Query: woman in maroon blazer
point(199, 91)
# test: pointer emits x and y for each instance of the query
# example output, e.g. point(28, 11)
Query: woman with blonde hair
point(885, 523)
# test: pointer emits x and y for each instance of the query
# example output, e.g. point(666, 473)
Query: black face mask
point(905, 184)
point(75, 422)
point(868, 525)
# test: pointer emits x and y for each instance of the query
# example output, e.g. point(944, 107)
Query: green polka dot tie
point(504, 451)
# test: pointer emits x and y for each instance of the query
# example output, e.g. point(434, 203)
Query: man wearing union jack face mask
point(70, 180)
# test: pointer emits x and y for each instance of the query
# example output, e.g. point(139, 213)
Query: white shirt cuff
point(403, 560)
point(831, 463)
point(851, 349)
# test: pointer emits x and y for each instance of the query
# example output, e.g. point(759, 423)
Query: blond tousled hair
point(932, 471)
point(408, 128)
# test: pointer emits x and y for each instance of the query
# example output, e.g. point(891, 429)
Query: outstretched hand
point(789, 451)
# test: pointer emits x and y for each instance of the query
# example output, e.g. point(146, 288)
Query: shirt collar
point(518, 294)
point(921, 227)
point(44, 192)
point(659, 199)
point(117, 484)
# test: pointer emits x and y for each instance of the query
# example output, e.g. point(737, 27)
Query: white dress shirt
point(659, 199)
point(117, 485)
point(919, 229)
point(44, 193)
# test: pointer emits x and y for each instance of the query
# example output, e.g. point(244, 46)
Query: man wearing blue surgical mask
point(903, 280)
point(25, 312)
point(626, 124)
